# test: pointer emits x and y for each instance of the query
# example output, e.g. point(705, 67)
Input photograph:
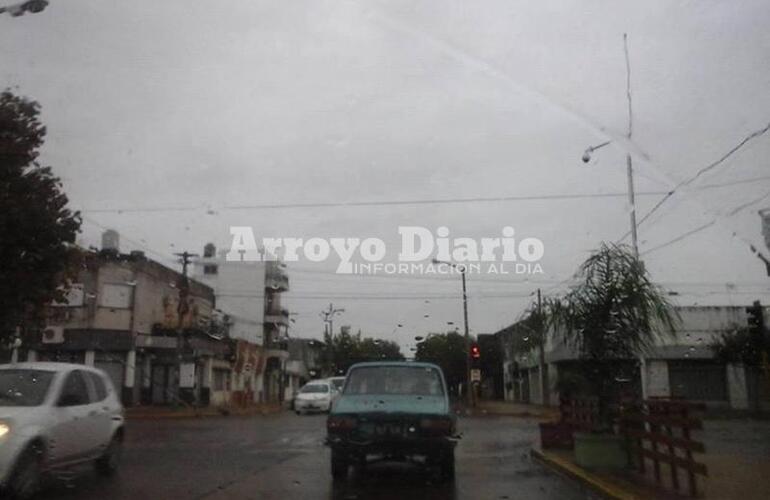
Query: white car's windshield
point(24, 387)
point(409, 380)
point(315, 389)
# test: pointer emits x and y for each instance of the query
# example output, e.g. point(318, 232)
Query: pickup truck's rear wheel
point(339, 466)
point(447, 466)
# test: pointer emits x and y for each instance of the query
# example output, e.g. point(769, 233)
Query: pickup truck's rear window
point(407, 380)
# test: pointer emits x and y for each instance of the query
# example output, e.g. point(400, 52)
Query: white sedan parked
point(54, 416)
point(318, 395)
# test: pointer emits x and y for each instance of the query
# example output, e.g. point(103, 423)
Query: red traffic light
point(475, 351)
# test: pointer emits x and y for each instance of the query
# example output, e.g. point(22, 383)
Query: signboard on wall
point(115, 296)
point(248, 358)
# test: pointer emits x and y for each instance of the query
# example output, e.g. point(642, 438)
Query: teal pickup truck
point(393, 411)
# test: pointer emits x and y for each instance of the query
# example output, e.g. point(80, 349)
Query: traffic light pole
point(470, 398)
point(541, 360)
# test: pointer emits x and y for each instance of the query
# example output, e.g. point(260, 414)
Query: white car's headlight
point(4, 429)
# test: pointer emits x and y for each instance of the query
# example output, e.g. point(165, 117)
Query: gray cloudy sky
point(202, 106)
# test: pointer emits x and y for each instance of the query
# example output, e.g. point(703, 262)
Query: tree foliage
point(448, 351)
point(343, 349)
point(614, 314)
point(37, 230)
point(738, 345)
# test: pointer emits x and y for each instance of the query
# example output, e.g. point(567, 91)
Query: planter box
point(556, 435)
point(600, 451)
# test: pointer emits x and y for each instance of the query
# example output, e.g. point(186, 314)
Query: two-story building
point(145, 324)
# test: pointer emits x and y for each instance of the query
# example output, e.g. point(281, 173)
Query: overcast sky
point(192, 108)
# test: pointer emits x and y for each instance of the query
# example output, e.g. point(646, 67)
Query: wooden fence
point(580, 414)
point(660, 431)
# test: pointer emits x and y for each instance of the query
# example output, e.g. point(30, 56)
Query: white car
point(338, 382)
point(54, 416)
point(318, 395)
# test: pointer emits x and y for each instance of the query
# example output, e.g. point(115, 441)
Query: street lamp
point(462, 270)
point(631, 198)
point(19, 9)
point(589, 151)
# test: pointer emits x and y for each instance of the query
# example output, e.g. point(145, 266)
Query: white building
point(249, 294)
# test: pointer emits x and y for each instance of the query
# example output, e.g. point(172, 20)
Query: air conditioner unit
point(53, 334)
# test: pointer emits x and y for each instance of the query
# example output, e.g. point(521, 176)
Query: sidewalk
point(510, 409)
point(164, 412)
point(736, 458)
point(605, 484)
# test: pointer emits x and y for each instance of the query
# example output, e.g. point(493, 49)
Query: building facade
point(143, 323)
point(681, 365)
point(249, 295)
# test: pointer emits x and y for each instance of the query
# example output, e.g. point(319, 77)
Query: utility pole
point(182, 308)
point(328, 318)
point(632, 202)
point(471, 395)
point(629, 166)
point(468, 389)
point(541, 335)
point(327, 315)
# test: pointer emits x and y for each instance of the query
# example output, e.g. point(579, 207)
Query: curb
point(521, 414)
point(201, 414)
point(585, 478)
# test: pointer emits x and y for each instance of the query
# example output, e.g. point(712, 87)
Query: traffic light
point(755, 319)
point(475, 358)
point(475, 351)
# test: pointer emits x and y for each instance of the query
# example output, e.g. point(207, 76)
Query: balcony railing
point(278, 317)
point(275, 277)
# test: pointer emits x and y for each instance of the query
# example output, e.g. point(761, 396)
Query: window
point(409, 380)
point(98, 386)
point(315, 389)
point(210, 269)
point(24, 387)
point(74, 392)
point(221, 380)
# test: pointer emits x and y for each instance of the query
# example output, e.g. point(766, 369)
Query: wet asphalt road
point(282, 457)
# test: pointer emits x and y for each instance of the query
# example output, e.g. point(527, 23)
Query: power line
point(417, 201)
point(722, 159)
point(423, 201)
point(680, 237)
point(709, 224)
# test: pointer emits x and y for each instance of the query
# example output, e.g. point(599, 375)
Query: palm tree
point(614, 314)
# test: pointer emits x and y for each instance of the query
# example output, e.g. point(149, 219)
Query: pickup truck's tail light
point(337, 423)
point(436, 425)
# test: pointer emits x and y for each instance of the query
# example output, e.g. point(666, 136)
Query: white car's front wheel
point(108, 463)
point(27, 476)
